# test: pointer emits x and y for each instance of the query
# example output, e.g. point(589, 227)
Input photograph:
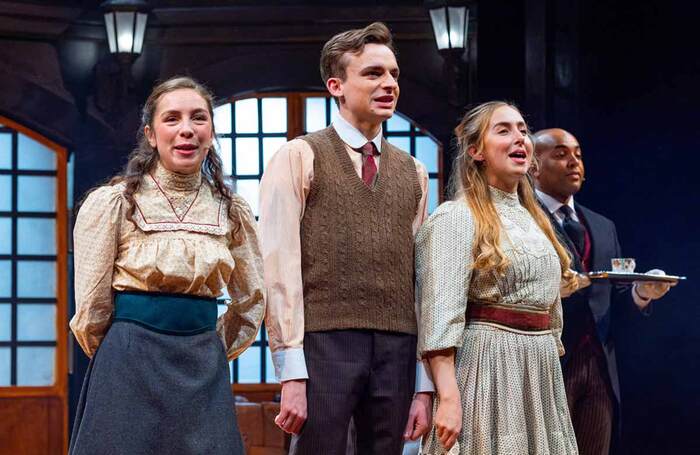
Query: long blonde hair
point(468, 181)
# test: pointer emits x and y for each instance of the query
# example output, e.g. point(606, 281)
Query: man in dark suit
point(589, 366)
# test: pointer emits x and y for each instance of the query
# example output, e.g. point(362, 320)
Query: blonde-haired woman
point(488, 270)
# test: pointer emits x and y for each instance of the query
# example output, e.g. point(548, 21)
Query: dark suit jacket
point(594, 305)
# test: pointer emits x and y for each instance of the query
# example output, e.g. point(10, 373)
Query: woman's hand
point(448, 420)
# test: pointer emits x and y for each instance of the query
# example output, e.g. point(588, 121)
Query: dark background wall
point(620, 75)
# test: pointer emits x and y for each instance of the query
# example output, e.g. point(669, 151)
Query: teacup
point(623, 265)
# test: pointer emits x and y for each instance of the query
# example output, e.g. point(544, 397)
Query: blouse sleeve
point(556, 322)
point(443, 271)
point(240, 323)
point(96, 241)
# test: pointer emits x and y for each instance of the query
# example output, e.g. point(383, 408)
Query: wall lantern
point(450, 25)
point(125, 22)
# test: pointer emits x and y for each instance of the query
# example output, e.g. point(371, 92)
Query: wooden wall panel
point(32, 426)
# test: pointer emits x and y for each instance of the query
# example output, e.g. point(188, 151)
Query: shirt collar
point(352, 136)
point(552, 204)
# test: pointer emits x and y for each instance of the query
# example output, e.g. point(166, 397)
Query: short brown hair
point(332, 62)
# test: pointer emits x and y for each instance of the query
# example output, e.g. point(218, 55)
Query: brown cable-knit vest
point(357, 242)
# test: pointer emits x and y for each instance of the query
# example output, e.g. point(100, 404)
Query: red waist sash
point(526, 320)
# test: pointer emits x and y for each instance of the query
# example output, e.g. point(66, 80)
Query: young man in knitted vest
point(338, 212)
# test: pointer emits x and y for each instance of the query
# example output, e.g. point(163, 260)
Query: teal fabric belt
point(171, 314)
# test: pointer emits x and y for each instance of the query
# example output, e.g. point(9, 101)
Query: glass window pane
point(270, 147)
point(247, 116)
point(249, 366)
point(222, 119)
point(274, 112)
point(404, 143)
point(5, 193)
point(5, 360)
point(247, 156)
point(70, 171)
point(433, 194)
point(5, 322)
point(334, 109)
point(397, 123)
point(248, 190)
point(36, 194)
point(36, 236)
point(36, 279)
point(36, 322)
point(225, 295)
point(35, 365)
point(5, 151)
point(225, 151)
point(5, 235)
point(34, 155)
point(220, 309)
point(269, 367)
point(315, 114)
point(427, 153)
point(5, 278)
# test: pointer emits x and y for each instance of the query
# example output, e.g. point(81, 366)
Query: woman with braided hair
point(153, 250)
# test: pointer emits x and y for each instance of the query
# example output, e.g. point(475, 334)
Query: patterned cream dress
point(510, 382)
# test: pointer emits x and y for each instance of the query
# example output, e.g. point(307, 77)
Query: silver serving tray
point(628, 277)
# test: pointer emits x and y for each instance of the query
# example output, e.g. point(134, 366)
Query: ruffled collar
point(500, 197)
point(174, 182)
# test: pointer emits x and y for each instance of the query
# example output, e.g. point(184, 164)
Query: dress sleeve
point(556, 323)
point(444, 262)
point(239, 324)
point(96, 242)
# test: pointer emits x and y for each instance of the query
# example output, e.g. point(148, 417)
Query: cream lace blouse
point(181, 241)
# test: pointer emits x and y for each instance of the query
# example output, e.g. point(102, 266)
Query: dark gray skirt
point(147, 392)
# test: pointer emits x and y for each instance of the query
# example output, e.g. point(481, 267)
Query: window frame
point(59, 387)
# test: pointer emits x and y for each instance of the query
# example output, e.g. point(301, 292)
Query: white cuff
point(290, 364)
point(424, 382)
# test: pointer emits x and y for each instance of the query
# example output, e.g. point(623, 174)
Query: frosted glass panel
point(247, 160)
point(404, 143)
point(36, 236)
point(397, 123)
point(5, 151)
point(334, 108)
point(222, 119)
point(220, 309)
point(248, 190)
point(315, 114)
point(36, 279)
point(270, 147)
point(274, 112)
point(36, 322)
point(249, 366)
point(427, 153)
point(36, 194)
point(70, 172)
point(225, 151)
point(270, 373)
point(34, 155)
point(5, 193)
point(5, 279)
point(5, 322)
point(5, 366)
point(35, 366)
point(433, 194)
point(5, 235)
point(247, 116)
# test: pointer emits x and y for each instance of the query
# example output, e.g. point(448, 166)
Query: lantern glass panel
point(439, 20)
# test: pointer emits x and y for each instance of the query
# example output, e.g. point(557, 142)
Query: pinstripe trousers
point(365, 374)
point(590, 401)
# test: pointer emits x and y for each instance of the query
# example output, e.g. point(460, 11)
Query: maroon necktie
point(369, 166)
